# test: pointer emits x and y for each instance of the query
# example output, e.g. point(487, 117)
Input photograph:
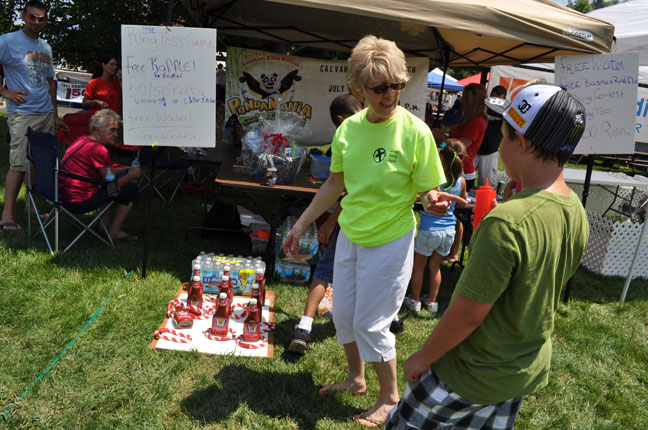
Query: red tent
point(474, 79)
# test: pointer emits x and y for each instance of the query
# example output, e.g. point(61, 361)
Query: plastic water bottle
point(207, 271)
point(235, 276)
point(110, 176)
point(196, 270)
point(218, 273)
point(135, 164)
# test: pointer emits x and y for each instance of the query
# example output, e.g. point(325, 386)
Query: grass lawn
point(109, 378)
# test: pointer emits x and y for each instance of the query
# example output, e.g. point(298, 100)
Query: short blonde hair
point(100, 118)
point(372, 57)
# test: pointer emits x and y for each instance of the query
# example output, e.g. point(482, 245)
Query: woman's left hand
point(437, 203)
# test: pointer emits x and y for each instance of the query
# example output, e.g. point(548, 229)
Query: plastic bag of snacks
point(325, 307)
point(308, 243)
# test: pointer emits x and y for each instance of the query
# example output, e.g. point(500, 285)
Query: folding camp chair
point(168, 171)
point(42, 151)
point(78, 126)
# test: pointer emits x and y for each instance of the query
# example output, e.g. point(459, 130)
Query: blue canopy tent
point(451, 84)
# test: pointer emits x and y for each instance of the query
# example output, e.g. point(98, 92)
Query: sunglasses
point(382, 88)
point(37, 18)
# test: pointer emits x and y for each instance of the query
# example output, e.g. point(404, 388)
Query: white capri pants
point(369, 287)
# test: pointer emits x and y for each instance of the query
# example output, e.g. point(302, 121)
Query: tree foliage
point(585, 6)
point(82, 31)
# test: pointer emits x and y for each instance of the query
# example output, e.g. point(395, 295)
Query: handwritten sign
point(169, 86)
point(606, 84)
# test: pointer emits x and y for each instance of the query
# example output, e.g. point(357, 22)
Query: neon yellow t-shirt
point(384, 164)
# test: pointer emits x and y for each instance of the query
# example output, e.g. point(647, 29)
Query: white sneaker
point(412, 304)
point(430, 306)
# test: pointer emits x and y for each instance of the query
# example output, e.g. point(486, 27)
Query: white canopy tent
point(630, 21)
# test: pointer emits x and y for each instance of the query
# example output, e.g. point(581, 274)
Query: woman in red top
point(470, 131)
point(88, 156)
point(104, 90)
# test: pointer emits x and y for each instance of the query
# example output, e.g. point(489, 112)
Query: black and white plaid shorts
point(429, 404)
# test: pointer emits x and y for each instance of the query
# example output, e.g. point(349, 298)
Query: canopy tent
point(631, 31)
point(462, 33)
point(474, 79)
point(435, 78)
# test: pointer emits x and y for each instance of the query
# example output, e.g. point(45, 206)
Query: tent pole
point(586, 185)
point(483, 78)
point(446, 64)
point(169, 13)
point(150, 196)
point(148, 212)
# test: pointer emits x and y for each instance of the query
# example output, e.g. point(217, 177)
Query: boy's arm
point(327, 229)
point(461, 318)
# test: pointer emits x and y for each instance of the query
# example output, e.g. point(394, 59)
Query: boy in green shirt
point(493, 344)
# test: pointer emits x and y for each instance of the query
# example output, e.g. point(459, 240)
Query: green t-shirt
point(384, 164)
point(520, 257)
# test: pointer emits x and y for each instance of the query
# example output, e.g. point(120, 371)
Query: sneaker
point(412, 304)
point(430, 306)
point(397, 327)
point(299, 342)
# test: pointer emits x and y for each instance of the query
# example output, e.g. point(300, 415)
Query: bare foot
point(10, 226)
point(355, 388)
point(376, 416)
point(122, 235)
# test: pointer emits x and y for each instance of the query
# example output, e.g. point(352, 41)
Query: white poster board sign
point(169, 86)
point(306, 86)
point(606, 84)
point(514, 78)
point(641, 130)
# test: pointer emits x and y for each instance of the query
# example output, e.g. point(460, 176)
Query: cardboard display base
point(199, 342)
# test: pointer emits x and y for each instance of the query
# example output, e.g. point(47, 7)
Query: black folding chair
point(42, 151)
point(167, 171)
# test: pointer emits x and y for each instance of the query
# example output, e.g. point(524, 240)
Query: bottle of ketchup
point(483, 203)
point(182, 317)
point(226, 287)
point(220, 320)
point(258, 278)
point(252, 324)
point(195, 297)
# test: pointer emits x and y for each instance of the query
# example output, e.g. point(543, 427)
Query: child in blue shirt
point(436, 234)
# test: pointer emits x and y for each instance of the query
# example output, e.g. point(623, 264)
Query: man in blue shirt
point(30, 95)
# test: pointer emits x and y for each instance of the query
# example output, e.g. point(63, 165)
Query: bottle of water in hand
point(135, 164)
point(110, 176)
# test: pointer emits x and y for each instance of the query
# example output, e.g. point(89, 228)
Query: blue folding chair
point(42, 151)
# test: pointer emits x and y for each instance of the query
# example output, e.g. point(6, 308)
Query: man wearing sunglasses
point(30, 95)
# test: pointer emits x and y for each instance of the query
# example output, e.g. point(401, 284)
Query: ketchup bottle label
point(219, 326)
point(251, 332)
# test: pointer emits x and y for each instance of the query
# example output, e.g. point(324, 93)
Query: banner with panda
point(258, 81)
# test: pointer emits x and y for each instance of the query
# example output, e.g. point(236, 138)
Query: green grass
point(111, 379)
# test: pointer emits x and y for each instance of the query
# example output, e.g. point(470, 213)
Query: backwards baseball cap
point(545, 114)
